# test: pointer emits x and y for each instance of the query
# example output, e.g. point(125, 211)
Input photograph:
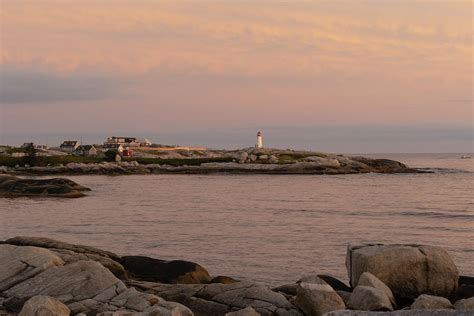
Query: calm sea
point(270, 228)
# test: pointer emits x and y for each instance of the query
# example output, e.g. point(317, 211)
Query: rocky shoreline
point(240, 162)
point(41, 276)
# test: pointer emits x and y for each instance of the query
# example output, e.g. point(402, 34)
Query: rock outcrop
point(11, 186)
point(70, 253)
point(219, 299)
point(27, 272)
point(408, 270)
point(251, 160)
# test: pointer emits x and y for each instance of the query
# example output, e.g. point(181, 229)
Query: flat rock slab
point(219, 299)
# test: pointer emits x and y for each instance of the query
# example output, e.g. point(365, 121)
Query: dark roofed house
point(28, 145)
point(69, 146)
point(114, 146)
point(85, 150)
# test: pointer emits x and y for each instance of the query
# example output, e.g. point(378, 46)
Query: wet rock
point(465, 287)
point(368, 298)
point(466, 304)
point(425, 301)
point(223, 279)
point(248, 311)
point(11, 186)
point(18, 264)
point(317, 298)
point(335, 283)
point(408, 270)
point(44, 306)
point(70, 253)
point(176, 271)
point(368, 279)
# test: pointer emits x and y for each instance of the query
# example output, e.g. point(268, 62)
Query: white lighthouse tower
point(259, 143)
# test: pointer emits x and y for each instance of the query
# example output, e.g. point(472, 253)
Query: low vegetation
point(58, 160)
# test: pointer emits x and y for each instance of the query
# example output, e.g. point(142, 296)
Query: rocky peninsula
point(41, 276)
point(245, 161)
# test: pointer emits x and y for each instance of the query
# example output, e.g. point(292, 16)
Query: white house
point(69, 146)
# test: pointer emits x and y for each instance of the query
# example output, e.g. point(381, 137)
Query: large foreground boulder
point(176, 271)
point(408, 270)
point(12, 186)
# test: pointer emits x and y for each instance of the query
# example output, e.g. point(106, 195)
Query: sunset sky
point(344, 75)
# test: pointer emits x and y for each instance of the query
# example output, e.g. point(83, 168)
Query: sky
point(340, 76)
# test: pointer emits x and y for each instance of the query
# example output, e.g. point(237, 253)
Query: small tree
point(30, 155)
point(110, 154)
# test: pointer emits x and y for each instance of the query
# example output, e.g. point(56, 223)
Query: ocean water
point(269, 228)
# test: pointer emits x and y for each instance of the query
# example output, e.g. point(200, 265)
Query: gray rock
point(425, 301)
point(273, 159)
point(219, 299)
point(408, 270)
point(18, 264)
point(253, 157)
point(317, 298)
point(368, 298)
point(466, 304)
point(44, 306)
point(368, 279)
point(346, 296)
point(248, 311)
point(70, 283)
point(263, 157)
point(71, 253)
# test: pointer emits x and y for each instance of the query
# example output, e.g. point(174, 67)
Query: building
point(112, 146)
point(259, 143)
point(41, 147)
point(85, 150)
point(28, 145)
point(69, 146)
point(128, 141)
point(127, 152)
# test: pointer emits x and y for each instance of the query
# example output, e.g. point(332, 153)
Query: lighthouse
point(259, 143)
